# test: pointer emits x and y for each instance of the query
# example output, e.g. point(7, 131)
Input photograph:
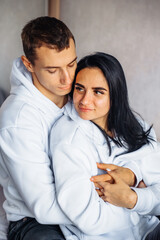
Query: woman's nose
point(86, 99)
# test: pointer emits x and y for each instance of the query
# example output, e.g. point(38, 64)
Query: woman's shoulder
point(63, 129)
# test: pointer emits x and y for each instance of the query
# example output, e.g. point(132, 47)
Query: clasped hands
point(115, 186)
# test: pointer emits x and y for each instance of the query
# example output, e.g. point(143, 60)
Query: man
point(40, 82)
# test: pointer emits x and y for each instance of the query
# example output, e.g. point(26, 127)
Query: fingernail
point(108, 170)
point(91, 179)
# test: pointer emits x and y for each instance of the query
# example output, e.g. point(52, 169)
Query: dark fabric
point(3, 96)
point(155, 234)
point(30, 229)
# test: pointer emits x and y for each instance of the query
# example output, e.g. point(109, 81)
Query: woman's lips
point(85, 109)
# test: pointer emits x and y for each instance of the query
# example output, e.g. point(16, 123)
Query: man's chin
point(65, 91)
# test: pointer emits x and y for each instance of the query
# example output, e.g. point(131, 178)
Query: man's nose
point(65, 77)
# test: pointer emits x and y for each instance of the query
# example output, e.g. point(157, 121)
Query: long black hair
point(121, 120)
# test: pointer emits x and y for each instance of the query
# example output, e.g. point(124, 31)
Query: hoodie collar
point(22, 85)
point(86, 126)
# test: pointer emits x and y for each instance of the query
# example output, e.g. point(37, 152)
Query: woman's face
point(91, 96)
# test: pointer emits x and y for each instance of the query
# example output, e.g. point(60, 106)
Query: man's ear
point(27, 63)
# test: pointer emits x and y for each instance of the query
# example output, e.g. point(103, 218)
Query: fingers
point(100, 193)
point(102, 178)
point(103, 192)
point(103, 185)
point(104, 166)
point(98, 186)
point(104, 198)
point(114, 176)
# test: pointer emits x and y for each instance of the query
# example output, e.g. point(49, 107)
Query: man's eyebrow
point(73, 61)
point(49, 67)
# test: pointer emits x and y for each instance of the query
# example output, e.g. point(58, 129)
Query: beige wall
point(129, 30)
point(14, 14)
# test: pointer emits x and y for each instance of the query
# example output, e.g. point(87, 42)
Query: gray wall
point(14, 14)
point(129, 30)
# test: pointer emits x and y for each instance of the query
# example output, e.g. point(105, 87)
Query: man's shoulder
point(16, 111)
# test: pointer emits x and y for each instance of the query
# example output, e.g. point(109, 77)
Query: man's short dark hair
point(46, 31)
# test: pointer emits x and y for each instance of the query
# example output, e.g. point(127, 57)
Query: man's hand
point(118, 193)
point(124, 173)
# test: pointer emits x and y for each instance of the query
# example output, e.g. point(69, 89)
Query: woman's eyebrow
point(80, 85)
point(94, 88)
point(99, 88)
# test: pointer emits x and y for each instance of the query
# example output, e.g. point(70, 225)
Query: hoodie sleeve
point(149, 198)
point(76, 193)
point(145, 163)
point(27, 164)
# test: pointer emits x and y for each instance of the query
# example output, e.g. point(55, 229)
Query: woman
point(100, 127)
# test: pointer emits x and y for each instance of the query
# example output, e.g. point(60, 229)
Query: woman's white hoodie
point(76, 147)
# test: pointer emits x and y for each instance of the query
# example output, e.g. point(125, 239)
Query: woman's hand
point(114, 186)
point(124, 173)
point(117, 193)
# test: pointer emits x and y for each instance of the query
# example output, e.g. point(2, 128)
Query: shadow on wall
point(3, 96)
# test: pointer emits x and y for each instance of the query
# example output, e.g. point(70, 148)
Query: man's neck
point(60, 101)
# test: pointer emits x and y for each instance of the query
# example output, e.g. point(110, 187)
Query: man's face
point(53, 72)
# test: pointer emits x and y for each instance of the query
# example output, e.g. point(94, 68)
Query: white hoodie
point(75, 150)
point(26, 118)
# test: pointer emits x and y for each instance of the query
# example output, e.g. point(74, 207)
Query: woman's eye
point(79, 89)
point(99, 92)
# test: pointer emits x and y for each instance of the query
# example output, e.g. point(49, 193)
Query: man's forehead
point(51, 57)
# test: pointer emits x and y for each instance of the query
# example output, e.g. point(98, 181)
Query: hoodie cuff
point(135, 169)
point(144, 200)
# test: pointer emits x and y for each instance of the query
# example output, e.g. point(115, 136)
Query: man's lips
point(65, 87)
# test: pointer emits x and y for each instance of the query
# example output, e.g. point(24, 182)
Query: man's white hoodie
point(75, 150)
point(26, 118)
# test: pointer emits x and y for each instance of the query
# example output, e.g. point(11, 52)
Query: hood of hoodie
point(86, 126)
point(22, 86)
